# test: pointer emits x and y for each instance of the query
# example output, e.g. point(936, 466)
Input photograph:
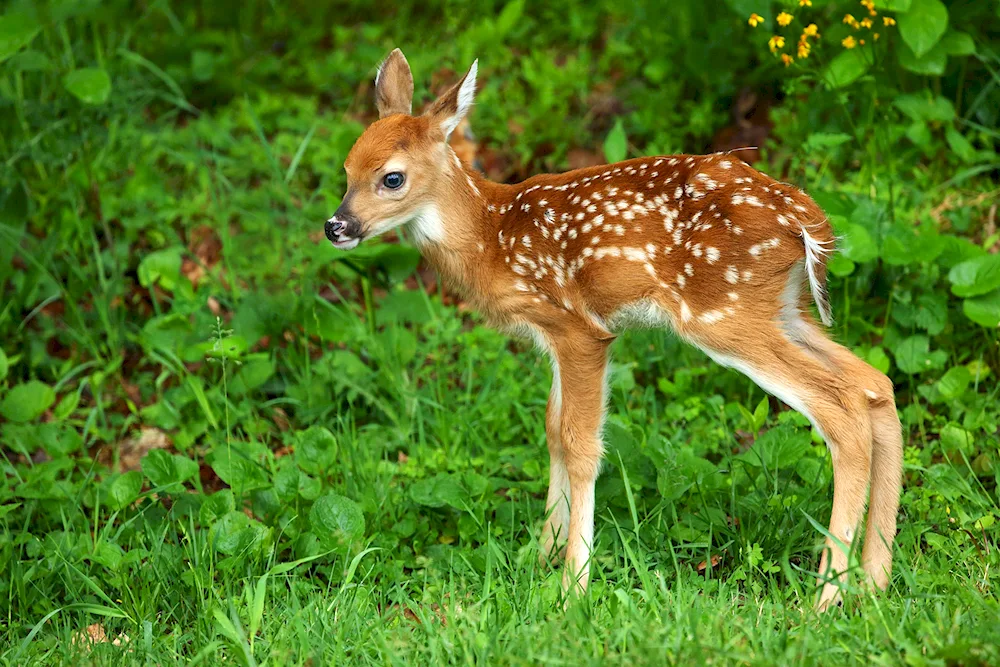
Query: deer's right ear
point(449, 109)
point(394, 86)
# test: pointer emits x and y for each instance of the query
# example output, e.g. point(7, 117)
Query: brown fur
point(706, 245)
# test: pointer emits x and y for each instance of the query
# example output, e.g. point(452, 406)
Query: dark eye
point(393, 181)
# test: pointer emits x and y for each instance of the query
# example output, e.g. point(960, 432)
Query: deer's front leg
point(557, 503)
point(582, 364)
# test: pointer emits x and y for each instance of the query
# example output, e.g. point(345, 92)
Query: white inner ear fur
point(466, 95)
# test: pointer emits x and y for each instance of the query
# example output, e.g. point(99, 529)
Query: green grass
point(348, 466)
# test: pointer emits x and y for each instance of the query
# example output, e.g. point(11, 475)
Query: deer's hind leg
point(838, 408)
point(887, 449)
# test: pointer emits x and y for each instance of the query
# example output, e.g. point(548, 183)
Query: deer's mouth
point(343, 235)
point(345, 243)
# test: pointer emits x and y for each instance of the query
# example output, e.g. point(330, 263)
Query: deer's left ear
point(394, 85)
point(449, 109)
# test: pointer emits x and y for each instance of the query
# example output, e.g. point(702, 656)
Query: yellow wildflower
point(775, 43)
point(866, 22)
point(811, 31)
point(787, 59)
point(804, 48)
point(875, 36)
point(805, 3)
point(870, 6)
point(849, 42)
point(784, 18)
point(861, 42)
point(888, 21)
point(851, 21)
point(755, 20)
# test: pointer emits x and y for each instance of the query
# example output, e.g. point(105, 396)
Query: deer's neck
point(453, 231)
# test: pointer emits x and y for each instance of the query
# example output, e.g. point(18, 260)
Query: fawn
point(725, 256)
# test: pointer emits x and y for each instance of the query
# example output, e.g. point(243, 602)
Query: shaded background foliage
point(199, 397)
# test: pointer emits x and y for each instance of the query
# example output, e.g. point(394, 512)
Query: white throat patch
point(427, 225)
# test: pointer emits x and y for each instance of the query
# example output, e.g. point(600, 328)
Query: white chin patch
point(347, 244)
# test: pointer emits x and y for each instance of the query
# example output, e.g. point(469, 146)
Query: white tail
point(815, 258)
point(704, 245)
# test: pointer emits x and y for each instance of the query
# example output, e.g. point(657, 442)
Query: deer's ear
point(394, 86)
point(449, 109)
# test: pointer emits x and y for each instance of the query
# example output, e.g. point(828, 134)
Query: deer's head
point(397, 165)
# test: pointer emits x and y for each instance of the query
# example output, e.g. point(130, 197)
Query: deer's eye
point(393, 180)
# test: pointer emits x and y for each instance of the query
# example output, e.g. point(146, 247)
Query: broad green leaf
point(984, 310)
point(164, 469)
point(336, 520)
point(286, 483)
point(67, 405)
point(163, 267)
point(239, 472)
point(857, 244)
point(903, 246)
point(252, 375)
point(230, 347)
point(957, 250)
point(931, 63)
point(959, 145)
point(202, 65)
point(957, 43)
point(234, 533)
point(396, 261)
point(16, 32)
point(26, 402)
point(913, 355)
point(878, 359)
point(616, 143)
point(404, 306)
point(894, 5)
point(30, 61)
point(920, 134)
point(979, 370)
point(932, 312)
point(923, 25)
point(919, 106)
point(820, 140)
point(780, 447)
point(440, 490)
point(840, 266)
point(4, 365)
point(508, 18)
point(108, 554)
point(847, 67)
point(316, 450)
point(976, 276)
point(956, 438)
point(954, 383)
point(90, 85)
point(216, 505)
point(125, 489)
point(60, 440)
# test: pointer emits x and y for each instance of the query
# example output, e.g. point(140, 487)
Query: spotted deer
point(726, 257)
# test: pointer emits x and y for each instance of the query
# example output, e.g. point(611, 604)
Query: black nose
point(332, 229)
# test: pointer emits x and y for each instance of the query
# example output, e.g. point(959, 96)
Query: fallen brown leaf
point(131, 451)
point(95, 634)
point(703, 565)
